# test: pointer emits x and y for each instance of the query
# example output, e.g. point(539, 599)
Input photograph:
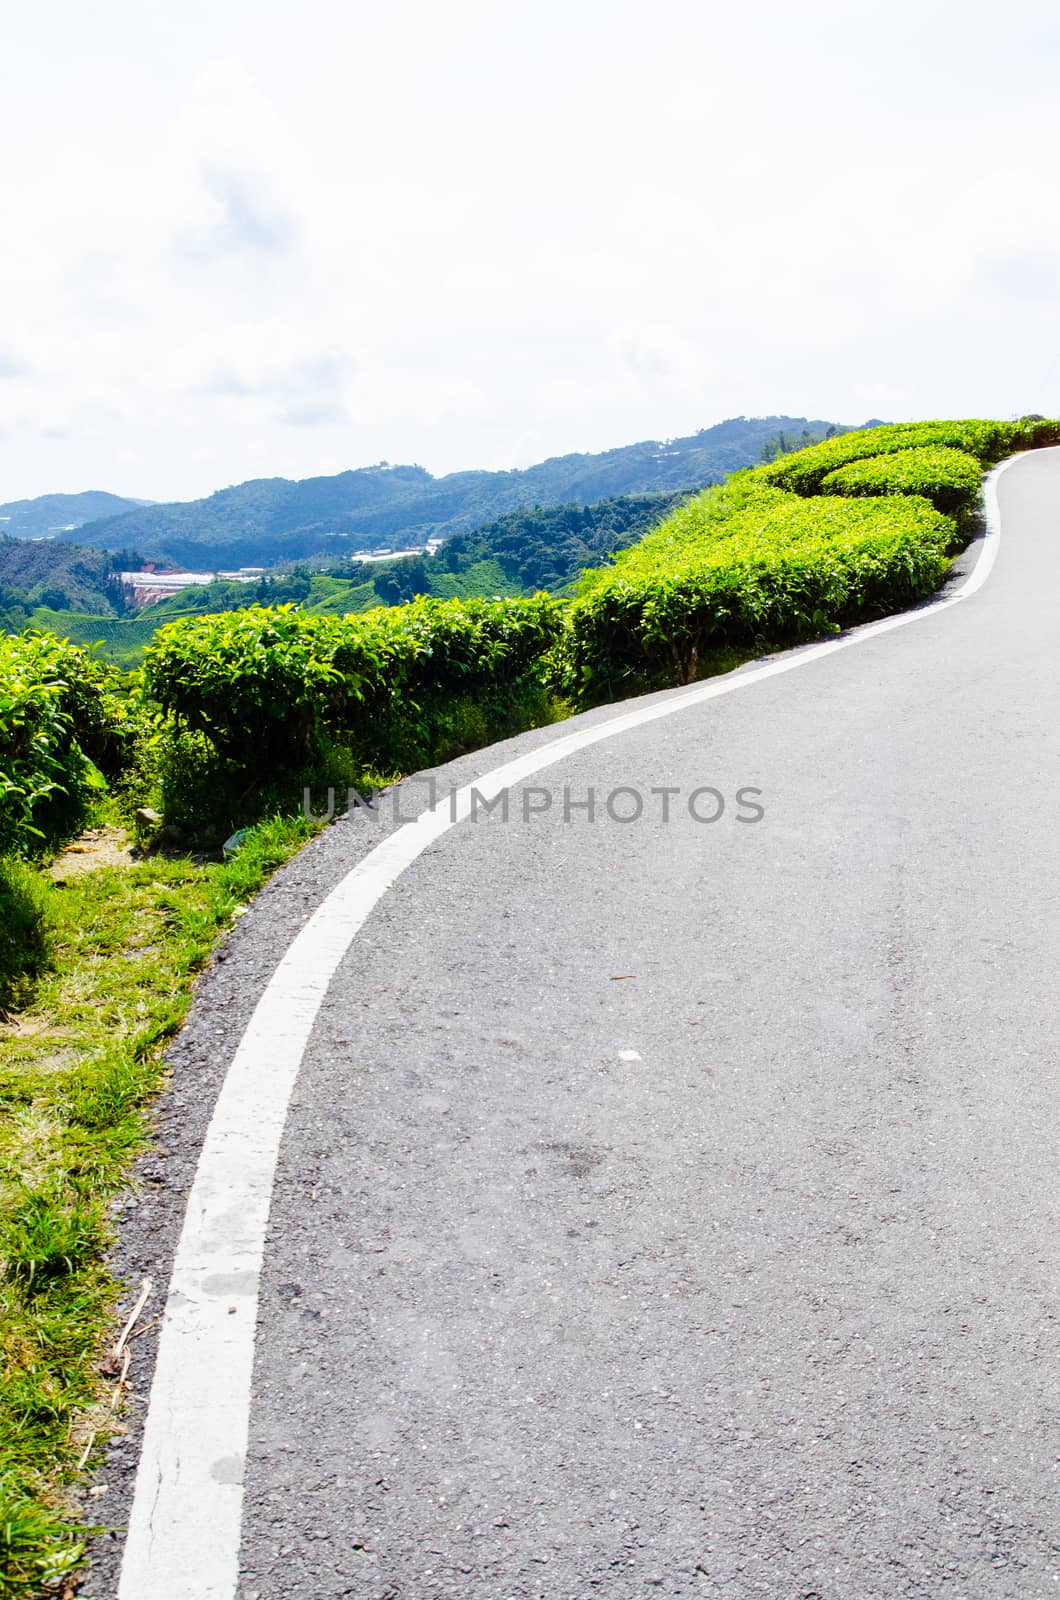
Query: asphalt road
point(671, 1206)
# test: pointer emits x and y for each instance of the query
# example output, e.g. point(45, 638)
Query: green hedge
point(804, 472)
point(740, 568)
point(63, 724)
point(851, 528)
point(272, 689)
point(950, 479)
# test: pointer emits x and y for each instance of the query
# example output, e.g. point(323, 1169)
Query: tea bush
point(59, 713)
point(850, 528)
point(778, 569)
point(805, 471)
point(950, 479)
point(274, 691)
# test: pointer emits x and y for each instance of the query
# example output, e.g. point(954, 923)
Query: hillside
point(51, 514)
point(59, 575)
point(270, 520)
point(521, 553)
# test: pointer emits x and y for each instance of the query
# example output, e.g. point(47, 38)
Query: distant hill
point(543, 548)
point(60, 575)
point(50, 515)
point(270, 520)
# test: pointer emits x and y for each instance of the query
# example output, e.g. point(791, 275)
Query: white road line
point(185, 1526)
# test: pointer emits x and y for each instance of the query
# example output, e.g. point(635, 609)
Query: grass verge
point(115, 952)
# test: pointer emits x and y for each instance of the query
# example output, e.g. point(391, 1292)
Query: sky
point(248, 239)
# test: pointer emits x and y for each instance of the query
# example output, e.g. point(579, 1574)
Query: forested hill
point(62, 576)
point(274, 519)
point(544, 548)
point(51, 514)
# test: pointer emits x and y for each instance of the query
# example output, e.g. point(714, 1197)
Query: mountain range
point(52, 514)
point(272, 520)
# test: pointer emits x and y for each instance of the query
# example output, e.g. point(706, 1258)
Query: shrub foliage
point(272, 689)
point(949, 478)
point(986, 441)
point(778, 568)
point(850, 528)
point(64, 726)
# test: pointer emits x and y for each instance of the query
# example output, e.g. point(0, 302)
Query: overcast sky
point(244, 238)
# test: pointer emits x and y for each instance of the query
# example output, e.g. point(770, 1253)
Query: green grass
point(332, 597)
point(113, 955)
point(23, 930)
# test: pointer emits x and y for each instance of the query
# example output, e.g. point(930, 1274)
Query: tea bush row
point(65, 727)
point(844, 530)
point(777, 569)
point(275, 692)
point(805, 471)
point(951, 479)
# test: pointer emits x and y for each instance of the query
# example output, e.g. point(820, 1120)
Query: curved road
point(670, 1205)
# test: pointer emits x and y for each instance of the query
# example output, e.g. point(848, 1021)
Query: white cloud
point(234, 186)
point(11, 364)
point(653, 352)
point(474, 235)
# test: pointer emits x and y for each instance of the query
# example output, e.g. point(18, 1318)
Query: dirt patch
point(25, 1027)
point(99, 847)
